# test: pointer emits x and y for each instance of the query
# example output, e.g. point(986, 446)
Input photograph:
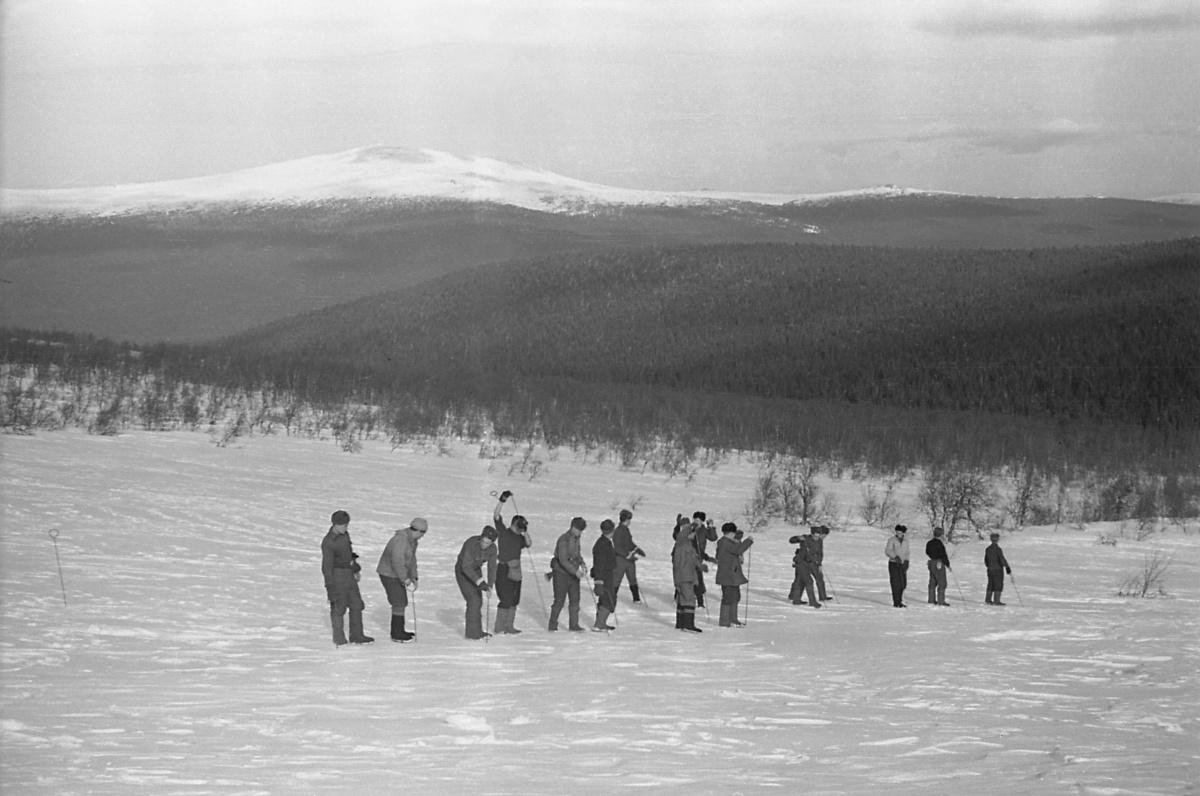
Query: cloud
point(1039, 22)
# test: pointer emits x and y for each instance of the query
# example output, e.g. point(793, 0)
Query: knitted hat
point(579, 522)
point(938, 532)
point(607, 526)
point(419, 524)
point(626, 514)
point(994, 536)
point(340, 518)
point(902, 528)
point(519, 521)
point(729, 527)
point(699, 515)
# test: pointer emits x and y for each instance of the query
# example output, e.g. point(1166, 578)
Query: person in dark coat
point(730, 577)
point(818, 555)
point(685, 570)
point(627, 555)
point(475, 572)
point(604, 565)
point(805, 563)
point(896, 551)
point(340, 568)
point(705, 532)
point(511, 542)
point(939, 565)
point(997, 565)
point(566, 570)
point(397, 571)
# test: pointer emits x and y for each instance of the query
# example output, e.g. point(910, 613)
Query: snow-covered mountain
point(387, 173)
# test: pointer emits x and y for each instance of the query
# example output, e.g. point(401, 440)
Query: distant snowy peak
point(388, 173)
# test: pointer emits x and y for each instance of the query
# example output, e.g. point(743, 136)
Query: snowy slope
point(192, 654)
point(382, 172)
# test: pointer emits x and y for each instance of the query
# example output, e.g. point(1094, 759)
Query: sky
point(1008, 97)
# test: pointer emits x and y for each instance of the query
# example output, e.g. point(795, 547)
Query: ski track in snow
point(193, 653)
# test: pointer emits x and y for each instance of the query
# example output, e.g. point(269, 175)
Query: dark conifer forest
point(1072, 357)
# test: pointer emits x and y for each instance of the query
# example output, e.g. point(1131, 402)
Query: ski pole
point(749, 561)
point(962, 598)
point(1015, 590)
point(488, 623)
point(54, 537)
point(412, 598)
point(829, 582)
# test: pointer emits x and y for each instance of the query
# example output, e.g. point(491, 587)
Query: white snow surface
point(193, 653)
point(387, 173)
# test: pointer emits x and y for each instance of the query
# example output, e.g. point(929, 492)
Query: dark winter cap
point(729, 527)
point(699, 515)
point(579, 522)
point(626, 514)
point(488, 532)
point(519, 521)
point(994, 537)
point(938, 531)
point(902, 528)
point(607, 526)
point(340, 518)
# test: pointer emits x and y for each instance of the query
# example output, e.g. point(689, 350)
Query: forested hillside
point(865, 353)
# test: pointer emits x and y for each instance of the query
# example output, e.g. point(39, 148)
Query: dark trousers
point(995, 582)
point(802, 583)
point(898, 575)
point(474, 597)
point(344, 596)
point(626, 568)
point(508, 591)
point(566, 590)
point(397, 595)
point(819, 578)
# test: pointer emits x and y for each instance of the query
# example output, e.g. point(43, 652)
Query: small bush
point(1150, 580)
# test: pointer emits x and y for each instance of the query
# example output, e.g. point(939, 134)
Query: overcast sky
point(1010, 97)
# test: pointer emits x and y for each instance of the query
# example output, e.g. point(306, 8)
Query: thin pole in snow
point(749, 561)
point(1015, 591)
point(54, 538)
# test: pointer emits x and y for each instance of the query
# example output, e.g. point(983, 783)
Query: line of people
point(492, 559)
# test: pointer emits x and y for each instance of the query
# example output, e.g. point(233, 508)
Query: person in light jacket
point(397, 570)
point(566, 570)
point(729, 572)
point(475, 572)
point(896, 551)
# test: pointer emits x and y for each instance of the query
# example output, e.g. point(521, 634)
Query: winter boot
point(602, 615)
point(724, 620)
point(398, 632)
point(573, 617)
point(689, 622)
point(633, 589)
point(678, 619)
point(988, 599)
point(504, 620)
point(357, 636)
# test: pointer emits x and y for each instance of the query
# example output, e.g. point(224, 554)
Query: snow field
point(193, 653)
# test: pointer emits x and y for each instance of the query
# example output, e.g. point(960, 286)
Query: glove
point(639, 552)
point(505, 495)
point(1009, 571)
point(411, 585)
point(484, 586)
point(597, 587)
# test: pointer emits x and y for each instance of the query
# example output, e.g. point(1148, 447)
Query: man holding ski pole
point(397, 570)
point(511, 541)
point(477, 552)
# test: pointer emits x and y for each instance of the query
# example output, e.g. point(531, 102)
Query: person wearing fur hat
point(685, 568)
point(397, 570)
point(566, 570)
point(730, 577)
point(997, 565)
point(511, 541)
point(627, 555)
point(477, 552)
point(604, 564)
point(939, 565)
point(340, 568)
point(896, 551)
point(805, 563)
